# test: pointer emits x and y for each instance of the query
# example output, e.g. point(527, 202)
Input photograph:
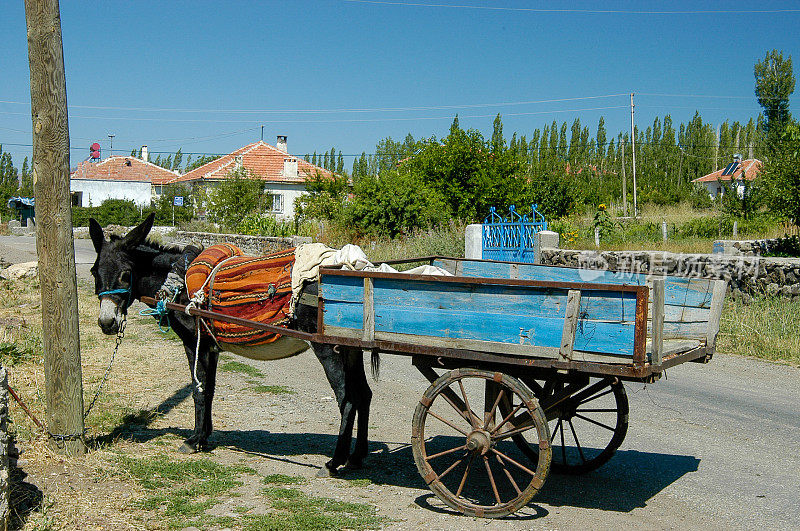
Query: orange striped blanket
point(255, 288)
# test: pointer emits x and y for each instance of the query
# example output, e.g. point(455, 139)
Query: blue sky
point(205, 76)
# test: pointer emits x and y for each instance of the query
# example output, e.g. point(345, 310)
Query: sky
point(205, 76)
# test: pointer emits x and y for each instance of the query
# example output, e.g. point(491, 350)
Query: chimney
point(290, 168)
point(281, 143)
point(144, 154)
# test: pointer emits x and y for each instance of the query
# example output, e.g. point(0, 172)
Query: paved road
point(716, 445)
point(17, 249)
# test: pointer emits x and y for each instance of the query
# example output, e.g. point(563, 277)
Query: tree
point(782, 174)
point(26, 179)
point(9, 180)
point(324, 200)
point(200, 161)
point(234, 198)
point(774, 85)
point(498, 144)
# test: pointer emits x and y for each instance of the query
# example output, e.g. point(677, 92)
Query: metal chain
point(120, 336)
point(61, 438)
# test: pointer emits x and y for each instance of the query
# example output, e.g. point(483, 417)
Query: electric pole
point(633, 149)
point(54, 239)
point(111, 147)
point(624, 182)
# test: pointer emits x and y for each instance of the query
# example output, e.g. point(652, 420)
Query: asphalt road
point(716, 445)
point(18, 249)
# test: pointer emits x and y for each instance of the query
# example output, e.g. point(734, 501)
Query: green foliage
point(8, 182)
point(260, 224)
point(774, 84)
point(234, 198)
point(325, 199)
point(200, 161)
point(110, 212)
point(164, 205)
point(787, 246)
point(396, 203)
point(781, 176)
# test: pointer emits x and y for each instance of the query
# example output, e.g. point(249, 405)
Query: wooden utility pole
point(633, 158)
point(624, 182)
point(54, 241)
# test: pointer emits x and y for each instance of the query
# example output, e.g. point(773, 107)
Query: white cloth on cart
point(309, 257)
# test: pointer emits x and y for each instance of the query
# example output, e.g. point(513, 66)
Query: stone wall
point(746, 275)
point(253, 245)
point(744, 247)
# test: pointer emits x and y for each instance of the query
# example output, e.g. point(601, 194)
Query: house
point(284, 175)
point(740, 171)
point(118, 177)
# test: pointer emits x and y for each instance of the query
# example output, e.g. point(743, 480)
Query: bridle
point(120, 291)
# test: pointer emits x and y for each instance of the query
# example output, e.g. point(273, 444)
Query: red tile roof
point(261, 161)
point(120, 168)
point(750, 167)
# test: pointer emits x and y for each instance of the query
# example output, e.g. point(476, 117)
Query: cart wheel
point(466, 455)
point(585, 429)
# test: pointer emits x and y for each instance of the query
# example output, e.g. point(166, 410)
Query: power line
point(332, 111)
point(343, 120)
point(583, 11)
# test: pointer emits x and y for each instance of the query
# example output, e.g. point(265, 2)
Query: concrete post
point(473, 242)
point(544, 239)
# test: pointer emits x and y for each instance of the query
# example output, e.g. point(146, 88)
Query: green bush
point(259, 224)
point(788, 246)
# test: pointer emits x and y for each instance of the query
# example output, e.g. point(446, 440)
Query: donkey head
point(113, 272)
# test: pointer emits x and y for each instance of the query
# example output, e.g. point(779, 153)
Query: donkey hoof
point(354, 465)
point(186, 448)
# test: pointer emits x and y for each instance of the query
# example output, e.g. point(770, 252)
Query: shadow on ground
point(625, 483)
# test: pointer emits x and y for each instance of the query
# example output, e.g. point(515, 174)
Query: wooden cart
point(526, 362)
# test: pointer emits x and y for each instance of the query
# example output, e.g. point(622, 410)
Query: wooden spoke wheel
point(463, 446)
point(586, 427)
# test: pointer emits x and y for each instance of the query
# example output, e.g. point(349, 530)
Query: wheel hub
point(479, 442)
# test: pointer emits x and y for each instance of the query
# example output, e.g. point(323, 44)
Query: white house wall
point(95, 192)
point(290, 192)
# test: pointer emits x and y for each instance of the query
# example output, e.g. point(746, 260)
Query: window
point(275, 203)
point(77, 199)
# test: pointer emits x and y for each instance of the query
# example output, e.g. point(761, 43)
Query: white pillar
point(473, 242)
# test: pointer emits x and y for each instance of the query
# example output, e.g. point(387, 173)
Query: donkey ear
point(96, 232)
point(137, 234)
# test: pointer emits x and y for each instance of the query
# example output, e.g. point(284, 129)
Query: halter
point(128, 290)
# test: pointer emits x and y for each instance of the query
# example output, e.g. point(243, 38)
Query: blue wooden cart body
point(562, 316)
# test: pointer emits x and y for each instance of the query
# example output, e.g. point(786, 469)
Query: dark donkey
point(131, 267)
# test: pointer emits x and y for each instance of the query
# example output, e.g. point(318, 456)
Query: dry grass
point(766, 328)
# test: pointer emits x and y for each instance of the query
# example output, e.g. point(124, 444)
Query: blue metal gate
point(511, 239)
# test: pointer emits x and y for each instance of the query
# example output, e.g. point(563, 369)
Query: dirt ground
point(280, 418)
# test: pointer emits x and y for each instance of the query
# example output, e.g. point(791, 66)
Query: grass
point(272, 389)
point(243, 368)
point(294, 509)
point(181, 490)
point(689, 230)
point(766, 328)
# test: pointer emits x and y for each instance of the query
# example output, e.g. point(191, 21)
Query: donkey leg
point(334, 366)
point(364, 399)
point(202, 395)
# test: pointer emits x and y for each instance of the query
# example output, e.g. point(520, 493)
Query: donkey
point(130, 267)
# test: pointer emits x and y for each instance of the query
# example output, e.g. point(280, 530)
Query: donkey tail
point(375, 364)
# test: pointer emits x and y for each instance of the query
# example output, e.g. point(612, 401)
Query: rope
point(197, 383)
